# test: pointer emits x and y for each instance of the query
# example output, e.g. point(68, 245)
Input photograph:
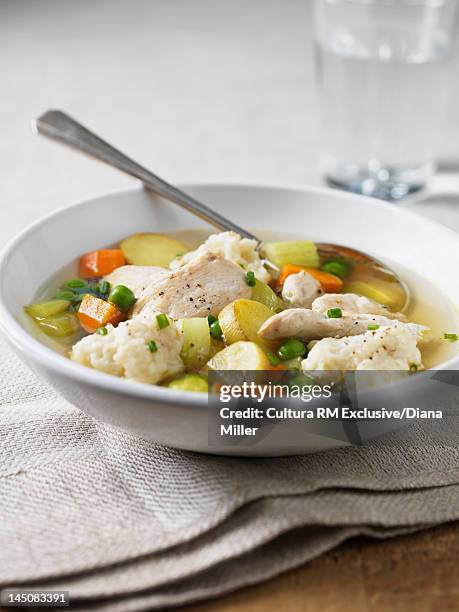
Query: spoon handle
point(57, 125)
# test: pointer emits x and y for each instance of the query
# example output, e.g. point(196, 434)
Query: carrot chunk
point(330, 283)
point(101, 262)
point(94, 313)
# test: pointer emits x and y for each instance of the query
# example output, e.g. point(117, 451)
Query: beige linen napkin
point(124, 524)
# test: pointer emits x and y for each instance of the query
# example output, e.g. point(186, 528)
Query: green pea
point(273, 359)
point(291, 348)
point(338, 268)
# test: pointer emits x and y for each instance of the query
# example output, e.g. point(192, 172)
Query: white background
point(193, 89)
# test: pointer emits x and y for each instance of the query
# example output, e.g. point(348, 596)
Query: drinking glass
point(382, 70)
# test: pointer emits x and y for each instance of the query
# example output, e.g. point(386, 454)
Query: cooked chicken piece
point(311, 325)
point(124, 351)
point(137, 278)
point(300, 323)
point(241, 251)
point(351, 303)
point(388, 348)
point(301, 289)
point(202, 287)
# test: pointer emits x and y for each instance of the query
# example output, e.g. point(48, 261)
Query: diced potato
point(190, 382)
point(299, 252)
point(261, 292)
point(241, 320)
point(151, 249)
point(196, 342)
point(240, 356)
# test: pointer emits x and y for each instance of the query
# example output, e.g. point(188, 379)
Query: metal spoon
point(58, 126)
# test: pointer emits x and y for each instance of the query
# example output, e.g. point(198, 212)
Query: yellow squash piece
point(190, 382)
point(240, 356)
point(261, 292)
point(241, 320)
point(151, 249)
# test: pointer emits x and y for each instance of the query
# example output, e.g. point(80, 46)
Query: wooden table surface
point(416, 573)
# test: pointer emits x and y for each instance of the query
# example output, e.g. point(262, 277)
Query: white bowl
point(178, 419)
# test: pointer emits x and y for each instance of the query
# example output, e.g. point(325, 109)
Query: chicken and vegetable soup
point(161, 310)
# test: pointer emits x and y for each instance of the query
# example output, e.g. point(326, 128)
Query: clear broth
point(428, 306)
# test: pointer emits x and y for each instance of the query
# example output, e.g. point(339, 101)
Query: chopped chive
point(250, 278)
point(102, 331)
point(413, 367)
point(152, 346)
point(334, 313)
point(373, 327)
point(211, 319)
point(103, 288)
point(216, 331)
point(180, 253)
point(451, 337)
point(122, 297)
point(162, 321)
point(76, 283)
point(273, 359)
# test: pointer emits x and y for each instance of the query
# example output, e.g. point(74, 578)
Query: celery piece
point(261, 292)
point(298, 252)
point(41, 310)
point(59, 325)
point(196, 341)
point(190, 382)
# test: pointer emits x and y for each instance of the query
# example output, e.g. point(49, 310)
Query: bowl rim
point(58, 364)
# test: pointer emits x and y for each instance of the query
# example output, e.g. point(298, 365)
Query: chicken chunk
point(202, 287)
point(301, 289)
point(311, 325)
point(351, 303)
point(138, 278)
point(300, 323)
point(231, 246)
point(124, 350)
point(388, 348)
